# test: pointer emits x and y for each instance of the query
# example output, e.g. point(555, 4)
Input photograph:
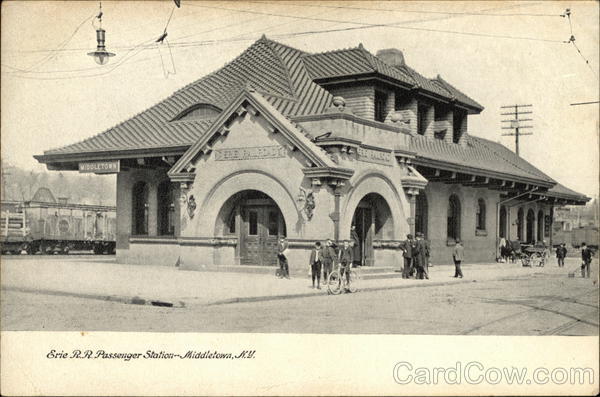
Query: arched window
point(520, 221)
point(503, 221)
point(540, 226)
point(480, 214)
point(139, 208)
point(421, 213)
point(530, 224)
point(453, 218)
point(200, 111)
point(166, 209)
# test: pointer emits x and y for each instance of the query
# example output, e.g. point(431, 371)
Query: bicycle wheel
point(334, 283)
point(354, 281)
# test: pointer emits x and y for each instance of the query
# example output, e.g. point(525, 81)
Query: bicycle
point(336, 282)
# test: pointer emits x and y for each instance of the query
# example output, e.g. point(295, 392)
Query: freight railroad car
point(57, 228)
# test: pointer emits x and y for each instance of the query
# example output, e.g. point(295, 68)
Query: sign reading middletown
point(100, 167)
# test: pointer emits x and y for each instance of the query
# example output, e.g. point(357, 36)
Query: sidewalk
point(171, 286)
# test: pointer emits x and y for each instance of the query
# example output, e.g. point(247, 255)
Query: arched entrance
point(256, 220)
point(503, 222)
point(530, 225)
point(520, 224)
point(421, 210)
point(372, 220)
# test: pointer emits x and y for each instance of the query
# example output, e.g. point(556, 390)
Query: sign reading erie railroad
point(100, 167)
point(250, 153)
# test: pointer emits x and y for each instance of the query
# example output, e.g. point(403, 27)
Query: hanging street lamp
point(101, 56)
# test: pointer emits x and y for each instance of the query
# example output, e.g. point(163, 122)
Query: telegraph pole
point(516, 122)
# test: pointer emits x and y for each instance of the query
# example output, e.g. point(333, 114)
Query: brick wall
point(444, 118)
point(360, 99)
point(408, 108)
point(480, 247)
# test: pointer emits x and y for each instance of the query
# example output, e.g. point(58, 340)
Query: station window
point(480, 214)
point(453, 218)
point(380, 106)
point(140, 208)
point(166, 209)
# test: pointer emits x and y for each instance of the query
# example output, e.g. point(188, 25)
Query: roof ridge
point(368, 56)
point(441, 82)
point(308, 54)
point(270, 44)
point(266, 39)
point(483, 141)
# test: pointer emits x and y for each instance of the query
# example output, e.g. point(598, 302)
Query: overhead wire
point(365, 25)
point(303, 4)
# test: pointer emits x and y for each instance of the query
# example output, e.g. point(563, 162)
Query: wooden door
point(261, 228)
point(363, 220)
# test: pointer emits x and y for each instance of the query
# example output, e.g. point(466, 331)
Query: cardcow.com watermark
point(475, 373)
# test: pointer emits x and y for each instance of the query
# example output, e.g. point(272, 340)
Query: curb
point(308, 295)
point(135, 300)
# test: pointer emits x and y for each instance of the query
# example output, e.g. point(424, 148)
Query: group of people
point(416, 252)
point(321, 261)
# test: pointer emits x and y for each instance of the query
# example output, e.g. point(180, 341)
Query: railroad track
point(554, 331)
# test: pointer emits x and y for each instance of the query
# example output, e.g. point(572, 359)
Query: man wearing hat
point(407, 254)
point(422, 256)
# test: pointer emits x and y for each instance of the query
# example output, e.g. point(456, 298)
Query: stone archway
point(208, 211)
point(372, 220)
point(373, 182)
point(530, 226)
point(256, 221)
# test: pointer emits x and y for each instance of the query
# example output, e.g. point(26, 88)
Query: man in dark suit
point(421, 256)
point(346, 257)
point(282, 247)
point(329, 257)
point(356, 246)
point(316, 259)
point(407, 255)
point(586, 257)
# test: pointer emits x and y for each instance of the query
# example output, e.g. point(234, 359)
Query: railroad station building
point(280, 142)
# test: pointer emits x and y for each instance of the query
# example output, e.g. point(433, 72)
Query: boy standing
point(316, 258)
point(328, 258)
point(346, 257)
point(282, 247)
point(458, 256)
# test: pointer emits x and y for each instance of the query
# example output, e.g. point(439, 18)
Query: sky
point(499, 53)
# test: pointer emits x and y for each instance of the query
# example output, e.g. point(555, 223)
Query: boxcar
point(47, 228)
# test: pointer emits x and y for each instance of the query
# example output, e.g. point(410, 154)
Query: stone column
point(412, 199)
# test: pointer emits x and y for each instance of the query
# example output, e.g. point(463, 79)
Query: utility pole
point(515, 123)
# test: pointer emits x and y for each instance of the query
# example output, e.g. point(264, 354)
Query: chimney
point(391, 56)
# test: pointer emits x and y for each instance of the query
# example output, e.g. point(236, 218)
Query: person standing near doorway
point(421, 257)
point(316, 258)
point(345, 258)
point(458, 255)
point(356, 246)
point(328, 259)
point(407, 254)
point(561, 253)
point(282, 251)
point(586, 257)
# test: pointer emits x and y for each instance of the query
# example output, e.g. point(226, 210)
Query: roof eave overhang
point(55, 160)
point(481, 172)
point(375, 76)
